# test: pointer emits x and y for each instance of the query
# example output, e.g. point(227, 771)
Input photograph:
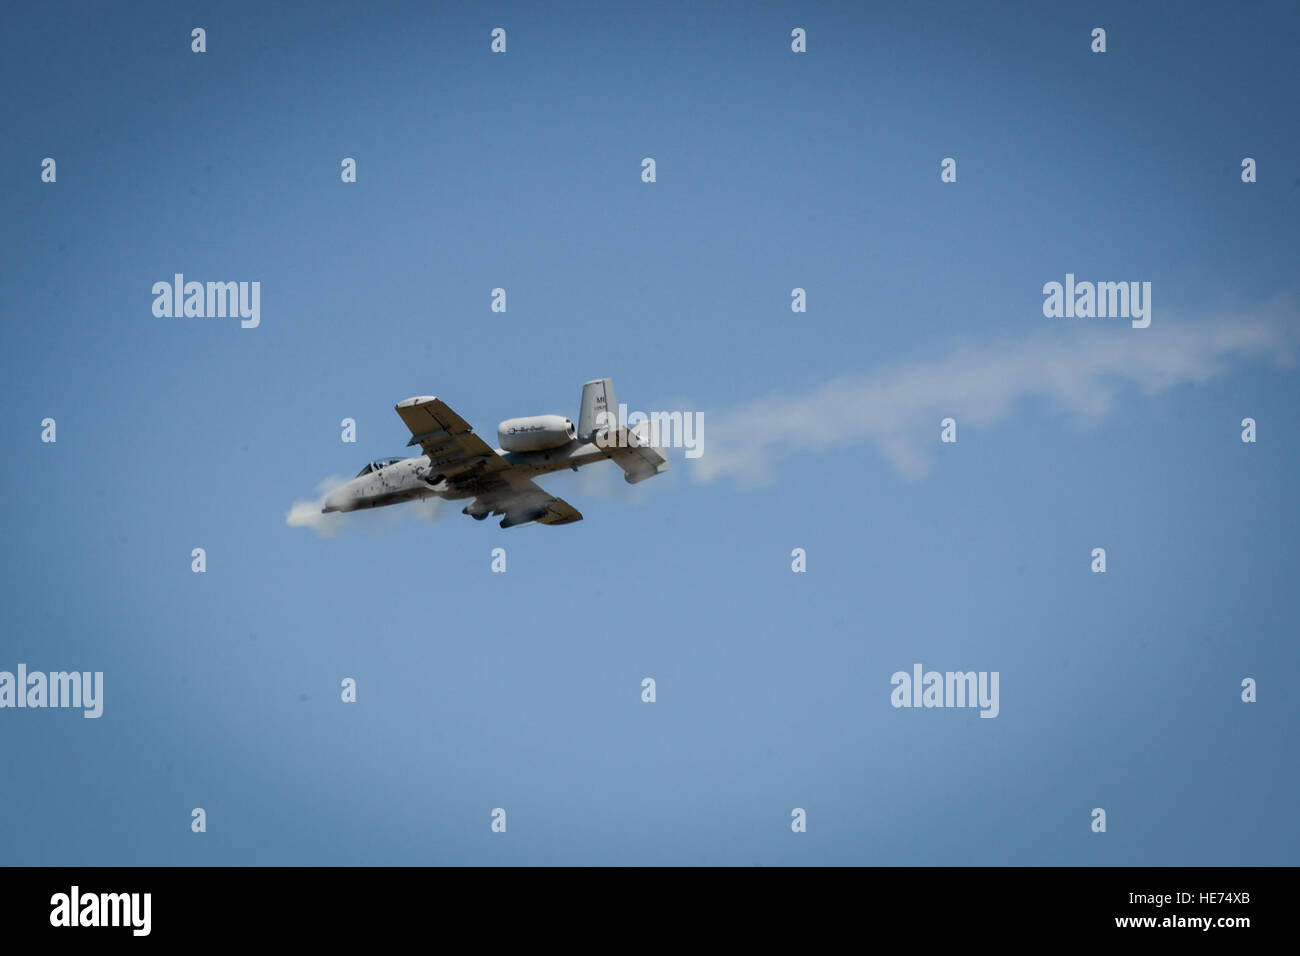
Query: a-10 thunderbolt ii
point(457, 464)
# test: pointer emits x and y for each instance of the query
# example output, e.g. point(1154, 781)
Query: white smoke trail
point(1082, 370)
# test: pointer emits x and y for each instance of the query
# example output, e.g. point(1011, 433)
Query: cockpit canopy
point(374, 466)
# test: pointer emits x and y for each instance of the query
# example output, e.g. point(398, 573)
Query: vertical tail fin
point(597, 399)
point(600, 413)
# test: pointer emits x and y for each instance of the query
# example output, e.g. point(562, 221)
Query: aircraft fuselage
point(392, 481)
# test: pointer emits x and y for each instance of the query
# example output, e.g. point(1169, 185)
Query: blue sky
point(774, 170)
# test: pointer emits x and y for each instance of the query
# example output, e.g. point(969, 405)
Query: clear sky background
point(775, 170)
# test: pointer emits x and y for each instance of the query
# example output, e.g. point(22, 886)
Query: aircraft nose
point(333, 502)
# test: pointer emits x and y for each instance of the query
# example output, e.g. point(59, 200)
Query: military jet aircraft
point(457, 464)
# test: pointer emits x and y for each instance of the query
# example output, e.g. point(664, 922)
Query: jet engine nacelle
point(537, 433)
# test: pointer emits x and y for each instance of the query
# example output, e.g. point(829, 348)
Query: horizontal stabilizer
point(637, 457)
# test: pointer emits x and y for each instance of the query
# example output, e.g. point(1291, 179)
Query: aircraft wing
point(521, 500)
point(534, 500)
point(559, 511)
point(471, 465)
point(447, 439)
